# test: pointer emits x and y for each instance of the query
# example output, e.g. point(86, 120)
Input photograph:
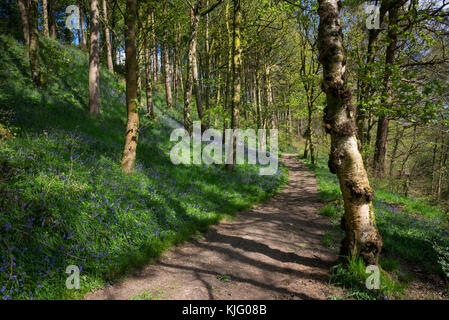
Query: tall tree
point(390, 58)
point(132, 125)
point(107, 36)
point(236, 76)
point(308, 72)
point(188, 93)
point(361, 234)
point(83, 30)
point(34, 42)
point(168, 93)
point(154, 46)
point(24, 17)
point(45, 29)
point(94, 59)
point(148, 73)
point(365, 87)
point(52, 18)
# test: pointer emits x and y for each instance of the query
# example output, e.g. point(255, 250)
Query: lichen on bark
point(345, 160)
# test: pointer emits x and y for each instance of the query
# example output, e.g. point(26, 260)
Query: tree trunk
point(175, 64)
point(191, 66)
point(236, 77)
point(381, 146)
point(361, 235)
point(52, 19)
point(168, 93)
point(107, 37)
point(149, 80)
point(83, 29)
point(443, 168)
point(24, 17)
point(45, 18)
point(310, 131)
point(194, 63)
point(132, 125)
point(140, 62)
point(94, 59)
point(153, 39)
point(181, 78)
point(268, 97)
point(207, 62)
point(34, 43)
point(398, 136)
point(382, 129)
point(228, 73)
point(365, 88)
point(258, 102)
point(434, 156)
point(306, 148)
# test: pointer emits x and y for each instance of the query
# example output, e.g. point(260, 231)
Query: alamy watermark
point(73, 281)
point(373, 280)
point(254, 149)
point(72, 21)
point(373, 20)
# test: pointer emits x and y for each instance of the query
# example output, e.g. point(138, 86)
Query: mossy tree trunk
point(94, 59)
point(149, 77)
point(168, 92)
point(361, 234)
point(236, 76)
point(132, 125)
point(154, 46)
point(34, 43)
point(24, 17)
point(192, 71)
point(52, 19)
point(228, 73)
point(45, 29)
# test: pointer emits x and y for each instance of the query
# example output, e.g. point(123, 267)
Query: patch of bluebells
point(410, 232)
point(66, 202)
point(69, 204)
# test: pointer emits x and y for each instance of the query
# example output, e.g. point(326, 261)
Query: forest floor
point(273, 251)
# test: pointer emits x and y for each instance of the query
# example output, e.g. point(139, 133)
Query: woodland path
point(273, 251)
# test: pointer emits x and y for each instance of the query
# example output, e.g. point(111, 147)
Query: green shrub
point(352, 276)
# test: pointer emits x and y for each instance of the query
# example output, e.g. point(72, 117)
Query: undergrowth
point(411, 230)
point(63, 198)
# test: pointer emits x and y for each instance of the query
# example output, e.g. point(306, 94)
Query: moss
point(336, 158)
point(328, 52)
point(5, 133)
point(369, 194)
point(345, 129)
point(358, 191)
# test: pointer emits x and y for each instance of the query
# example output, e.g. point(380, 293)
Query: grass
point(331, 211)
point(63, 198)
point(224, 278)
point(354, 276)
point(152, 294)
point(328, 240)
point(389, 263)
point(409, 227)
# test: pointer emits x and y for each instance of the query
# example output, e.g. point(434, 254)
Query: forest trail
point(273, 251)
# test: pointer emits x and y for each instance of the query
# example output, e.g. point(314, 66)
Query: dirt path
point(273, 251)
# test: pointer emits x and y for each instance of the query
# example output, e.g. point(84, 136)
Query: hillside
point(64, 200)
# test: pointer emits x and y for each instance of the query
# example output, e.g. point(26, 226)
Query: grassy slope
point(65, 202)
point(408, 226)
